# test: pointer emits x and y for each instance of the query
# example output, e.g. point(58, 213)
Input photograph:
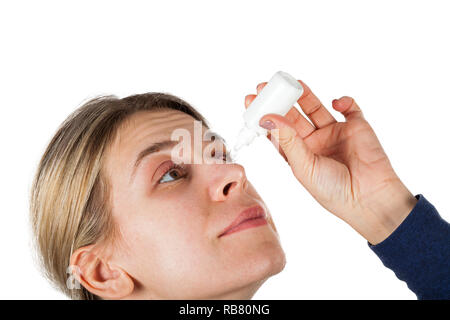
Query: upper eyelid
point(156, 176)
point(171, 167)
point(159, 147)
point(223, 153)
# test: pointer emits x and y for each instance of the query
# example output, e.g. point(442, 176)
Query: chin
point(268, 260)
point(277, 260)
point(253, 255)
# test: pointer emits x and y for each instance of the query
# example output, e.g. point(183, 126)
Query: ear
point(98, 276)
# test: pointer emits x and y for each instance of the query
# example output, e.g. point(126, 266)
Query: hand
point(342, 164)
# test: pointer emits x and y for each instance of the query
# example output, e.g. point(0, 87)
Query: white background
point(391, 56)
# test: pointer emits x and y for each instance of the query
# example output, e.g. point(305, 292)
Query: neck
point(244, 293)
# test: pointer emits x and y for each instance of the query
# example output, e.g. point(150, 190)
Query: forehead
point(142, 129)
point(152, 126)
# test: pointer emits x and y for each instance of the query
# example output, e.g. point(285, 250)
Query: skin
point(169, 246)
point(342, 164)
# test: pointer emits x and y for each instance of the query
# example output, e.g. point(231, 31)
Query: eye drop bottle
point(278, 96)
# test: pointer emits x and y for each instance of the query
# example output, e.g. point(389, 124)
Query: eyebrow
point(153, 148)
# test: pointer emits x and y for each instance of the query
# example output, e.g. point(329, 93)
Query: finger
point(314, 109)
point(276, 144)
point(260, 86)
point(303, 127)
point(299, 156)
point(249, 99)
point(348, 107)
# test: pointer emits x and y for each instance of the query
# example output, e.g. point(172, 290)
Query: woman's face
point(171, 218)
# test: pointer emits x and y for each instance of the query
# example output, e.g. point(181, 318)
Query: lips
point(251, 217)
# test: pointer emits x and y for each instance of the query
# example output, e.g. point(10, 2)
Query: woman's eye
point(220, 155)
point(172, 175)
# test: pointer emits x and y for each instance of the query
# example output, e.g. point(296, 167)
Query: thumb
point(298, 155)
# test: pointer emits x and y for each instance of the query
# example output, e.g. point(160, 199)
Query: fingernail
point(346, 99)
point(267, 124)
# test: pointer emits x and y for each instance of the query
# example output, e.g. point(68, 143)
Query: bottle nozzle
point(238, 145)
point(244, 138)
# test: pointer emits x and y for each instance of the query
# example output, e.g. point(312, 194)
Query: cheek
point(168, 238)
point(171, 223)
point(251, 191)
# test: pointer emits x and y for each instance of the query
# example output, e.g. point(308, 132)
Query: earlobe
point(99, 276)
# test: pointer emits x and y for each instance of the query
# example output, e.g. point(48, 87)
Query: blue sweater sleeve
point(418, 252)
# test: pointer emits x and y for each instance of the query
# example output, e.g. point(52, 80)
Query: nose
point(229, 179)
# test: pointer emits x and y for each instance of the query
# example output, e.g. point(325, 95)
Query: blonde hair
point(69, 202)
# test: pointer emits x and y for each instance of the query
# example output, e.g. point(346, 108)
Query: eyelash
point(184, 171)
point(173, 166)
point(224, 155)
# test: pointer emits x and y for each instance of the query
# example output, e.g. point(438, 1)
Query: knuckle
point(287, 139)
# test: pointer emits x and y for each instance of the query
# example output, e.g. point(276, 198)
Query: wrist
point(387, 211)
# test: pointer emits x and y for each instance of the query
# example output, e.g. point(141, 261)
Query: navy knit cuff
point(418, 252)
